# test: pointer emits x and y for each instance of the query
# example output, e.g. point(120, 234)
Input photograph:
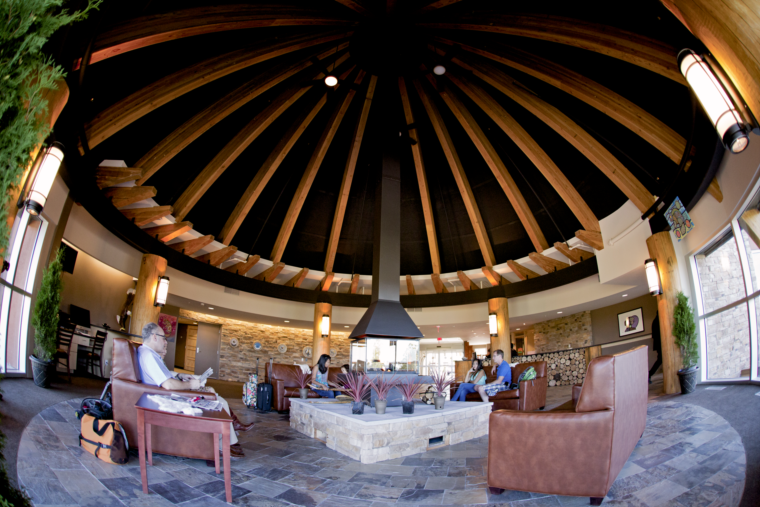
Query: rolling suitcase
point(264, 397)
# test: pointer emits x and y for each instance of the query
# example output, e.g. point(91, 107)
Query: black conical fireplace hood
point(385, 317)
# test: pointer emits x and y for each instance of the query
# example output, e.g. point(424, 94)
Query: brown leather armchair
point(574, 450)
point(284, 385)
point(531, 394)
point(126, 389)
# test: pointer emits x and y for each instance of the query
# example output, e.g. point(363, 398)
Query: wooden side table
point(216, 422)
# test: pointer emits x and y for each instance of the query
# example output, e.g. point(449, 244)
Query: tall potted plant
point(45, 322)
point(382, 387)
point(441, 382)
point(685, 334)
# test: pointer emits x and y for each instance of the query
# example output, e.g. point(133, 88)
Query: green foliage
point(9, 496)
point(685, 331)
point(45, 318)
point(25, 73)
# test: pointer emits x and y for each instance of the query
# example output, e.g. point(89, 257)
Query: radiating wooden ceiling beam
point(174, 25)
point(144, 216)
point(109, 176)
point(435, 5)
point(714, 190)
point(620, 109)
point(422, 183)
point(201, 122)
point(135, 106)
point(243, 267)
point(217, 257)
point(348, 176)
point(124, 196)
point(751, 219)
point(459, 175)
point(298, 279)
point(269, 274)
point(493, 277)
point(522, 272)
point(357, 6)
point(440, 288)
point(232, 150)
point(574, 254)
point(168, 232)
point(312, 167)
point(409, 285)
point(354, 283)
point(494, 162)
point(466, 282)
point(191, 246)
point(547, 263)
point(325, 282)
point(560, 123)
point(591, 238)
point(610, 41)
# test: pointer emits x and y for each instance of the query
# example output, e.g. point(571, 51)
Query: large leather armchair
point(575, 449)
point(126, 389)
point(284, 385)
point(530, 394)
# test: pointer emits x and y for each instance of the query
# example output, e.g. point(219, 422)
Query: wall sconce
point(719, 98)
point(492, 325)
point(162, 291)
point(43, 179)
point(653, 277)
point(325, 326)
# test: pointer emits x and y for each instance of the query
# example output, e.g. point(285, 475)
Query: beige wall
point(604, 321)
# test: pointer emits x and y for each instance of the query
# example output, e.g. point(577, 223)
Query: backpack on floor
point(105, 439)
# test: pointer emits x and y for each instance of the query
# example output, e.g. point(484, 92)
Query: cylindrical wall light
point(162, 291)
point(653, 277)
point(492, 325)
point(325, 326)
point(715, 100)
point(43, 179)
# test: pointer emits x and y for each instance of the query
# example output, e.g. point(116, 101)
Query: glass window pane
point(728, 344)
point(720, 274)
point(753, 257)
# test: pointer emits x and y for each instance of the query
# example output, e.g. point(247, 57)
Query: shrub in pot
point(441, 381)
point(408, 391)
point(45, 322)
point(357, 387)
point(382, 387)
point(302, 379)
point(685, 334)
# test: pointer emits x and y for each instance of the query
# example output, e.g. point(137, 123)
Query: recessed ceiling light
point(210, 307)
point(559, 312)
point(625, 295)
point(331, 80)
point(195, 323)
point(346, 326)
point(518, 328)
point(439, 70)
point(523, 323)
point(286, 321)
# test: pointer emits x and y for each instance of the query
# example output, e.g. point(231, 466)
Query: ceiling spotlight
point(286, 321)
point(210, 307)
point(559, 312)
point(346, 326)
point(331, 80)
point(439, 70)
point(625, 295)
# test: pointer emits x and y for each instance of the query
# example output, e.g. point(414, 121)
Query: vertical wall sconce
point(325, 326)
point(653, 277)
point(162, 291)
point(492, 325)
point(42, 179)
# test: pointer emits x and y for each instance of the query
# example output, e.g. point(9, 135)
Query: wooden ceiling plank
point(325, 282)
point(714, 190)
point(493, 277)
point(591, 238)
point(522, 272)
point(243, 267)
point(144, 216)
point(422, 183)
point(269, 274)
point(435, 5)
point(201, 122)
point(191, 246)
point(466, 282)
point(626, 46)
point(560, 123)
point(458, 171)
point(124, 196)
point(298, 279)
point(620, 109)
point(217, 257)
point(135, 106)
point(355, 5)
point(494, 162)
point(409, 285)
point(110, 176)
point(348, 176)
point(751, 219)
point(547, 263)
point(234, 148)
point(168, 232)
point(311, 170)
point(354, 283)
point(574, 254)
point(440, 288)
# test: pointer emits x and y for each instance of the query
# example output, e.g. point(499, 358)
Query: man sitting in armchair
point(153, 371)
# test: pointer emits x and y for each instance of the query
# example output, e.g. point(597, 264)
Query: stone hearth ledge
point(370, 437)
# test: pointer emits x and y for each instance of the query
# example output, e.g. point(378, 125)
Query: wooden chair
point(96, 352)
point(63, 344)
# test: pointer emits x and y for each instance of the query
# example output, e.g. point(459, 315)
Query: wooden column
point(321, 345)
point(661, 249)
point(143, 311)
point(501, 341)
point(592, 353)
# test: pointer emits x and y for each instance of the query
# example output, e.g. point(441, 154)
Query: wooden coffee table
point(216, 422)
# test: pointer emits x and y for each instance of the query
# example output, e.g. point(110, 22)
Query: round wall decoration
point(333, 353)
point(234, 342)
point(282, 348)
point(257, 345)
point(307, 352)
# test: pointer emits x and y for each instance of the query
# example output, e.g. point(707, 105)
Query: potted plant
point(382, 387)
point(45, 322)
point(302, 379)
point(684, 332)
point(441, 382)
point(357, 387)
point(408, 390)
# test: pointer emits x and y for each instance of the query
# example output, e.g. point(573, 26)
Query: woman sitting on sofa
point(475, 377)
point(319, 377)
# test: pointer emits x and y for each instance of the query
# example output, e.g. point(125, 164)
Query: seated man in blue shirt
point(503, 377)
point(154, 372)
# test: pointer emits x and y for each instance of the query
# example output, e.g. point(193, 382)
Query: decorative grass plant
point(382, 387)
point(441, 381)
point(301, 377)
point(409, 389)
point(355, 386)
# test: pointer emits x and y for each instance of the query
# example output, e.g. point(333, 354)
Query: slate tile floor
point(688, 456)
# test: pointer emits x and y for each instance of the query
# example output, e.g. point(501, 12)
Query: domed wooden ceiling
point(548, 118)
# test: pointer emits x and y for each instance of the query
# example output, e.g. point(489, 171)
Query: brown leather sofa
point(126, 389)
point(284, 385)
point(531, 394)
point(575, 449)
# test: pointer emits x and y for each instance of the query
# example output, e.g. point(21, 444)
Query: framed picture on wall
point(169, 324)
point(631, 322)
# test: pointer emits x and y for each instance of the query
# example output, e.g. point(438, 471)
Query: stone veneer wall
point(235, 363)
point(563, 368)
point(571, 332)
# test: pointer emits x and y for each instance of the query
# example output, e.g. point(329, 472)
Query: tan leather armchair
point(126, 389)
point(576, 449)
point(530, 395)
point(284, 385)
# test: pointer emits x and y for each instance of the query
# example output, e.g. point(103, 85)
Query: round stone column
point(143, 311)
point(501, 341)
point(321, 345)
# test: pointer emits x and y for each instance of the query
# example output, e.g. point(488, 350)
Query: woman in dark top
point(319, 377)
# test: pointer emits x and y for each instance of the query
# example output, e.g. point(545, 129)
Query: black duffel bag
point(99, 408)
